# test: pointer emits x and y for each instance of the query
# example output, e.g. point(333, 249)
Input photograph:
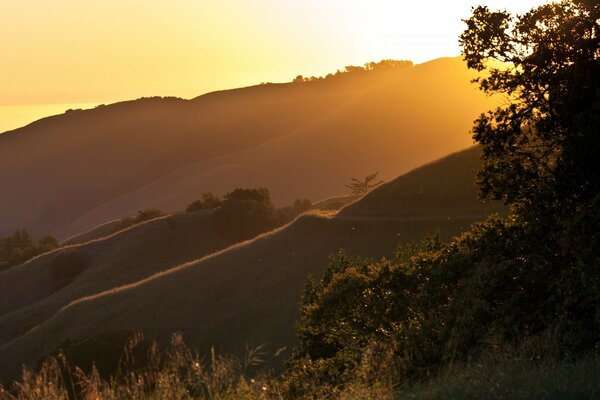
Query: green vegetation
point(20, 247)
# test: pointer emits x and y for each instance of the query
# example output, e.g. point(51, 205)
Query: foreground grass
point(513, 380)
point(180, 373)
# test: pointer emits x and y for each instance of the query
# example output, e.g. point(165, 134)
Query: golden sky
point(101, 51)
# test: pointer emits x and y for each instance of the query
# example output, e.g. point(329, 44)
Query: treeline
point(352, 70)
point(244, 213)
point(20, 247)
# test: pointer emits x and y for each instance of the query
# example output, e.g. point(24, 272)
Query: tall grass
point(179, 372)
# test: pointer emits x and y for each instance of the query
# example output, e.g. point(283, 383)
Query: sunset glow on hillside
point(101, 51)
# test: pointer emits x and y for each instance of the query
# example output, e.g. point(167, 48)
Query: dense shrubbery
point(20, 247)
point(440, 303)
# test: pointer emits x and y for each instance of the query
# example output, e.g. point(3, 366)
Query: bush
point(437, 303)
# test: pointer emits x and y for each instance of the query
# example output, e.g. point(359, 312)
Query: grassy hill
point(74, 171)
point(31, 293)
point(416, 195)
point(247, 293)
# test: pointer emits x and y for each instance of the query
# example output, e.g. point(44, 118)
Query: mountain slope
point(29, 294)
point(74, 171)
point(248, 294)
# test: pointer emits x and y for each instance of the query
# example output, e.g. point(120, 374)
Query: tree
point(246, 212)
point(209, 201)
point(540, 151)
point(360, 188)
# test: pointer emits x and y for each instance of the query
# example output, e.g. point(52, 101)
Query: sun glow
point(98, 51)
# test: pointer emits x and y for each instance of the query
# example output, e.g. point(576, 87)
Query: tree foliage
point(540, 150)
point(532, 276)
point(360, 188)
point(209, 201)
point(20, 247)
point(246, 212)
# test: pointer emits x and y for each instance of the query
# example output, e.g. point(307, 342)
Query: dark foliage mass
point(246, 212)
point(532, 276)
point(20, 247)
point(209, 201)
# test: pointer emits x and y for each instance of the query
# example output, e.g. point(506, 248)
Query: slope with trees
point(248, 294)
point(72, 172)
point(526, 282)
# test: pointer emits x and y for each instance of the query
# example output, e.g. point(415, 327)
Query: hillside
point(29, 294)
point(416, 195)
point(248, 293)
point(74, 171)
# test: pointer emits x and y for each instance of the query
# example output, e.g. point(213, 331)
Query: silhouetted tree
point(360, 188)
point(246, 212)
point(540, 152)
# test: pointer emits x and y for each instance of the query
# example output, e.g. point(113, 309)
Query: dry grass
point(180, 372)
point(247, 294)
point(28, 297)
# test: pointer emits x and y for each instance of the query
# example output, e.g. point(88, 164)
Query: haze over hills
point(71, 172)
point(246, 294)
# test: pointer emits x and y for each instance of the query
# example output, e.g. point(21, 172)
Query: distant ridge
point(74, 171)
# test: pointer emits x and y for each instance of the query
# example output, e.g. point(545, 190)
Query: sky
point(64, 52)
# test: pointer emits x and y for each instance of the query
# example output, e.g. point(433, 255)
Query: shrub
point(436, 303)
